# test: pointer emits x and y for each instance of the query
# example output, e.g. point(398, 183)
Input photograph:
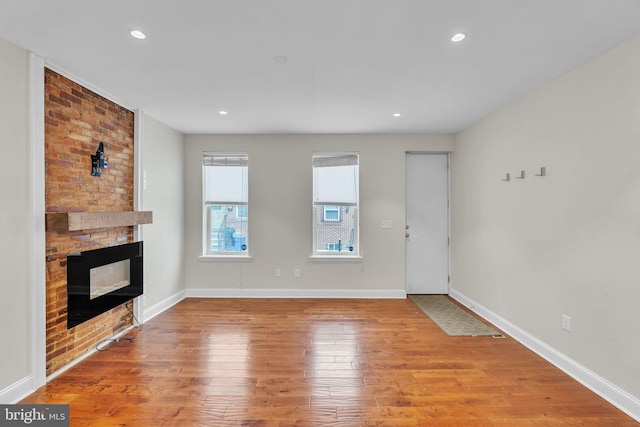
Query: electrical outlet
point(566, 322)
point(278, 272)
point(296, 272)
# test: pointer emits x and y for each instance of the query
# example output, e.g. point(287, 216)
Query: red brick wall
point(76, 120)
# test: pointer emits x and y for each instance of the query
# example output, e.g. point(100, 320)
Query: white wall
point(163, 162)
point(569, 243)
point(280, 195)
point(163, 166)
point(15, 216)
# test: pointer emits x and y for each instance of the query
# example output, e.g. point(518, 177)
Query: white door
point(427, 226)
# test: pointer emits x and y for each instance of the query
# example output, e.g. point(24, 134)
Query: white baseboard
point(151, 312)
point(17, 391)
point(294, 293)
point(608, 391)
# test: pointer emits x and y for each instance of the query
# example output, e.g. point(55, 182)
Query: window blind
point(226, 178)
point(335, 179)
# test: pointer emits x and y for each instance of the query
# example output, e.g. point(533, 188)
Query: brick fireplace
point(76, 121)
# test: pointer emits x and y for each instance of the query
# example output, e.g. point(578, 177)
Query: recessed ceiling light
point(138, 34)
point(458, 37)
point(280, 60)
point(396, 114)
point(222, 113)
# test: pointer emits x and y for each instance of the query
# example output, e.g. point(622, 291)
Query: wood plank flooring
point(318, 362)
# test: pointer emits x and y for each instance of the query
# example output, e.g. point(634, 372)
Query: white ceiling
point(351, 63)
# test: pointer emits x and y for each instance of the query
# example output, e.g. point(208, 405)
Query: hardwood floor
point(318, 362)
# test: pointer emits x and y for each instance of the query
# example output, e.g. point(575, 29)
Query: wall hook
point(507, 177)
point(522, 175)
point(543, 171)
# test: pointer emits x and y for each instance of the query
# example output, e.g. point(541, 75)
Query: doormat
point(451, 318)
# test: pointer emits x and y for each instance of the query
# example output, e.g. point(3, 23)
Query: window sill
point(334, 258)
point(223, 258)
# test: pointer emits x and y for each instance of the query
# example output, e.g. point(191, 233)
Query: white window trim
point(216, 258)
point(338, 256)
point(205, 255)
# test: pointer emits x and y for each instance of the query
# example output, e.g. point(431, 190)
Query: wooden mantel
point(75, 221)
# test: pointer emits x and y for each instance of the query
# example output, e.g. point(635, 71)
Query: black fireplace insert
point(101, 279)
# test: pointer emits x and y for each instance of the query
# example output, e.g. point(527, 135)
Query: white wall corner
point(38, 246)
point(610, 392)
point(151, 312)
point(138, 205)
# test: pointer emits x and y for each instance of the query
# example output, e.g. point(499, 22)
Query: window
point(332, 213)
point(335, 204)
point(225, 203)
point(242, 213)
